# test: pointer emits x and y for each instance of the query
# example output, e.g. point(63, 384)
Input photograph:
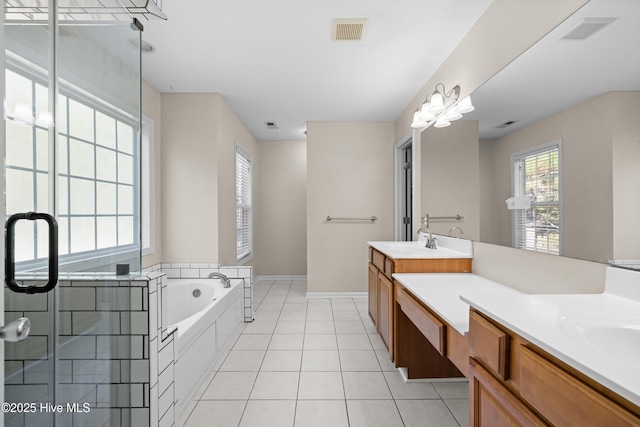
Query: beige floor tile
point(292, 316)
point(353, 342)
point(319, 316)
point(460, 409)
point(345, 327)
point(290, 327)
point(453, 390)
point(320, 342)
point(385, 361)
point(268, 413)
point(252, 342)
point(365, 385)
point(282, 360)
point(320, 360)
point(230, 385)
point(216, 413)
point(409, 390)
point(321, 413)
point(320, 385)
point(319, 328)
point(243, 360)
point(359, 360)
point(276, 385)
point(286, 342)
point(373, 413)
point(426, 413)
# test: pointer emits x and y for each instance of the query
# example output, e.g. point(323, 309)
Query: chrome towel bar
point(335, 218)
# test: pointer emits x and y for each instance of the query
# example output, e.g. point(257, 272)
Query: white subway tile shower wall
point(107, 351)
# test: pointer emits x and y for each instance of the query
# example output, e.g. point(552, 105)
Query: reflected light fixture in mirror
point(440, 109)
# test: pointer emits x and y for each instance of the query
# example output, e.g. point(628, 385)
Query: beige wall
point(230, 132)
point(350, 174)
point(189, 177)
point(450, 177)
point(488, 221)
point(281, 200)
point(151, 107)
point(199, 133)
point(626, 175)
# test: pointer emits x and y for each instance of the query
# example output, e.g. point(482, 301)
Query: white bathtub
point(205, 324)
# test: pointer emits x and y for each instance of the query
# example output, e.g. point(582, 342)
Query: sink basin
point(615, 335)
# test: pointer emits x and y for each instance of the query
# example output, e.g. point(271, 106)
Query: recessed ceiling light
point(143, 45)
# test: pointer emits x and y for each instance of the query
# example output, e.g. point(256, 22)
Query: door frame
point(398, 189)
point(2, 207)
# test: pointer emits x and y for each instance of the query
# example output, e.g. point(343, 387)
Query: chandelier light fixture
point(440, 108)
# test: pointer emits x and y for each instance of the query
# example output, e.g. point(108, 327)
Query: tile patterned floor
point(317, 362)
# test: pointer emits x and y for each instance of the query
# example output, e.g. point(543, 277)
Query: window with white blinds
point(244, 213)
point(536, 174)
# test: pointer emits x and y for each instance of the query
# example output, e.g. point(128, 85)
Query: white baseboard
point(337, 294)
point(281, 277)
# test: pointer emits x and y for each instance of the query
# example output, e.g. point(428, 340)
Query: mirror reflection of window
point(536, 174)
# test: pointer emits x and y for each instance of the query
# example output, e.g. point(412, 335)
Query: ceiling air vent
point(586, 28)
point(271, 125)
point(506, 124)
point(348, 29)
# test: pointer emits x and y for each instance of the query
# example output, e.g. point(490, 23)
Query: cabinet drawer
point(429, 325)
point(563, 399)
point(489, 344)
point(377, 258)
point(389, 268)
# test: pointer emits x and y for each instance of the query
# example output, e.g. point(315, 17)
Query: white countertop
point(441, 293)
point(416, 250)
point(563, 325)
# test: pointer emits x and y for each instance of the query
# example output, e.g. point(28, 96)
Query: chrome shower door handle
point(10, 267)
point(16, 330)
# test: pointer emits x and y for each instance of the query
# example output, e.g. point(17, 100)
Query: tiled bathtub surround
point(626, 263)
point(194, 270)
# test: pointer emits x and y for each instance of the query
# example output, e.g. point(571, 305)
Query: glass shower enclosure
point(72, 109)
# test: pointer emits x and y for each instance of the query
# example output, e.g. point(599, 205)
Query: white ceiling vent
point(586, 28)
point(348, 29)
point(271, 125)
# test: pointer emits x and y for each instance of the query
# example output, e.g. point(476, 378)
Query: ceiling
point(555, 74)
point(274, 61)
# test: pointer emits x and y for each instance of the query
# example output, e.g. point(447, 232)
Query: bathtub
point(206, 316)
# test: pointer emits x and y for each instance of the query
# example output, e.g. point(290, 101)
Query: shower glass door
point(72, 151)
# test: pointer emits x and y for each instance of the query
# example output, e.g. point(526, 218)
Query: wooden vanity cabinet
point(514, 383)
point(383, 311)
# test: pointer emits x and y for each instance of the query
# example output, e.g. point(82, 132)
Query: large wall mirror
point(557, 131)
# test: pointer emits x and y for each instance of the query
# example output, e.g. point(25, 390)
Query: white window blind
point(243, 205)
point(536, 174)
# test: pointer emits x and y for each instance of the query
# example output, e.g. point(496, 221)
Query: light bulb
point(437, 103)
point(442, 122)
point(417, 121)
point(425, 114)
point(452, 115)
point(465, 106)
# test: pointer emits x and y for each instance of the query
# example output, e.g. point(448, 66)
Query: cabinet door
point(493, 405)
point(385, 298)
point(373, 293)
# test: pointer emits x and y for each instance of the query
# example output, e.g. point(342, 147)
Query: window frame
point(244, 256)
point(520, 156)
point(89, 259)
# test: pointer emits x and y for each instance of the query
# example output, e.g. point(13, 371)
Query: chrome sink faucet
point(431, 241)
point(224, 279)
point(452, 229)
